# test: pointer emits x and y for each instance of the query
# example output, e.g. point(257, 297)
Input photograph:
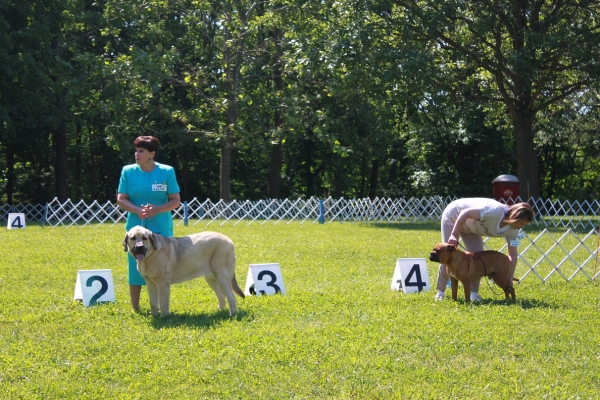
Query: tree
point(524, 54)
point(569, 147)
point(27, 105)
point(200, 50)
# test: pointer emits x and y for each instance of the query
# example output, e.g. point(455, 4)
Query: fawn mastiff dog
point(467, 267)
point(163, 261)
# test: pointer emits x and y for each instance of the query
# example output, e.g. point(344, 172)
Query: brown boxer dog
point(466, 267)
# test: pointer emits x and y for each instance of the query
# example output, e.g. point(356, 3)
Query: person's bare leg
point(134, 294)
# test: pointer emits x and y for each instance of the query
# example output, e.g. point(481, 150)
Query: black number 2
point(103, 288)
point(415, 270)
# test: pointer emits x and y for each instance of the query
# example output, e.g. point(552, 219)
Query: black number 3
point(270, 283)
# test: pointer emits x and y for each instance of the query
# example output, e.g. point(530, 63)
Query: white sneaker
point(476, 297)
point(439, 297)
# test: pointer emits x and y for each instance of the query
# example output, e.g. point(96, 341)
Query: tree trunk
point(276, 153)
point(95, 148)
point(60, 149)
point(226, 145)
point(78, 187)
point(10, 174)
point(231, 89)
point(373, 180)
point(184, 182)
point(274, 170)
point(526, 156)
point(308, 149)
point(363, 178)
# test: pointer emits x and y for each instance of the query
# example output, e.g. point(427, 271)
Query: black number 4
point(17, 222)
point(415, 270)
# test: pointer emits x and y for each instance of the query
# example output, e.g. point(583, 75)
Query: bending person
point(471, 219)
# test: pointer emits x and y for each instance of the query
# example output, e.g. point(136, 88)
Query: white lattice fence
point(549, 213)
point(33, 212)
point(546, 256)
point(385, 210)
point(566, 213)
point(568, 255)
point(248, 211)
point(69, 213)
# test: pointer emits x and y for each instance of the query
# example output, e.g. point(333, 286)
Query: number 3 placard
point(94, 286)
point(264, 279)
point(411, 275)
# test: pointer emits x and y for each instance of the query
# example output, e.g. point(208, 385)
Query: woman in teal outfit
point(148, 191)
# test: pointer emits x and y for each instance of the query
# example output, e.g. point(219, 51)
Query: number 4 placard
point(264, 279)
point(94, 286)
point(411, 275)
point(16, 221)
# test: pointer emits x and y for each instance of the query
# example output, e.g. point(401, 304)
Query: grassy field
point(339, 333)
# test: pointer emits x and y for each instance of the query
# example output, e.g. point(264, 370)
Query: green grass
point(339, 333)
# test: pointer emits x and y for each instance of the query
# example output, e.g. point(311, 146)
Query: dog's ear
point(153, 241)
point(451, 248)
point(125, 243)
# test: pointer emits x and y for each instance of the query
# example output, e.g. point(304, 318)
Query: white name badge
point(264, 279)
point(94, 286)
point(515, 243)
point(159, 187)
point(410, 275)
point(16, 221)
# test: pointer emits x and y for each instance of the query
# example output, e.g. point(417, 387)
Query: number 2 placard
point(411, 275)
point(264, 279)
point(94, 286)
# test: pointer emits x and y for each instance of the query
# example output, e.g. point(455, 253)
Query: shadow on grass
point(202, 320)
point(405, 226)
point(523, 303)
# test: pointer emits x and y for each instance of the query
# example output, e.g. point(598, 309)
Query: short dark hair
point(149, 143)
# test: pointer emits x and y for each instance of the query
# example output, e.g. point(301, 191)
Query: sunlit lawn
point(339, 332)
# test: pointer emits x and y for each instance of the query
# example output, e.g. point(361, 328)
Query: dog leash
point(484, 269)
point(486, 276)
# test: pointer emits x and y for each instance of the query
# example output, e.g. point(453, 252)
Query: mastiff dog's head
point(138, 241)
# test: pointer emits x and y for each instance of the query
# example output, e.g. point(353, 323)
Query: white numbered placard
point(16, 221)
point(264, 279)
point(94, 286)
point(411, 275)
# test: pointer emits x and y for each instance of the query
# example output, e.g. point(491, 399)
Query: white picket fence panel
point(311, 210)
point(549, 213)
point(545, 256)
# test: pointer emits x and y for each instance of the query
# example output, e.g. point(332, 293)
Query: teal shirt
point(149, 187)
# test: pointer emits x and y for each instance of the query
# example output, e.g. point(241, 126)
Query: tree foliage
point(291, 98)
point(524, 54)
